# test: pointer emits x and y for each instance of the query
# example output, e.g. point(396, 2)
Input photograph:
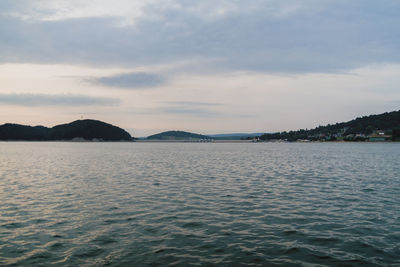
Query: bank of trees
point(388, 122)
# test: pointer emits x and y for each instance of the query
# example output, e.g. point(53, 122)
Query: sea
point(199, 204)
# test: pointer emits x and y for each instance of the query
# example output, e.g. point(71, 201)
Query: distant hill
point(387, 123)
point(84, 129)
point(176, 135)
point(234, 136)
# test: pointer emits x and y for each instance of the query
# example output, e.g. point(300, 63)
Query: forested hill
point(387, 123)
point(82, 129)
point(177, 135)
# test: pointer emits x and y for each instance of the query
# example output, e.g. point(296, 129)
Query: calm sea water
point(199, 204)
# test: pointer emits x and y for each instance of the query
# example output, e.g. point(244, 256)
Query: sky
point(202, 66)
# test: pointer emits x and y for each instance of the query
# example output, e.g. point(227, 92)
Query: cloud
point(136, 80)
point(191, 103)
point(33, 100)
point(190, 108)
point(48, 10)
point(265, 36)
point(201, 112)
point(197, 112)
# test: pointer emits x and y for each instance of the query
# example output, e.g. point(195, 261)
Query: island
point(79, 130)
point(178, 136)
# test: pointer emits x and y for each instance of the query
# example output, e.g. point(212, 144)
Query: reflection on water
point(187, 203)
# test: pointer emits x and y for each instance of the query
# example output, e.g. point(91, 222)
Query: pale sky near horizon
point(201, 66)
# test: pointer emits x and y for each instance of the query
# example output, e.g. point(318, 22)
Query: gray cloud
point(197, 112)
point(190, 108)
point(191, 103)
point(33, 100)
point(268, 36)
point(136, 80)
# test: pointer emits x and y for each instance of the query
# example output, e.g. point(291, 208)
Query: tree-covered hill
point(89, 129)
point(85, 129)
point(388, 123)
point(10, 131)
point(177, 135)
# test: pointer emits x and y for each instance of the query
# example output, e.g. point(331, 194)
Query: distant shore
point(198, 142)
point(192, 141)
point(258, 142)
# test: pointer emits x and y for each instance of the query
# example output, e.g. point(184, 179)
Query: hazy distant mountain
point(234, 136)
point(177, 135)
point(85, 129)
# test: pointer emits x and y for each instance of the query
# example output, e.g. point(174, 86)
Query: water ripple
point(199, 204)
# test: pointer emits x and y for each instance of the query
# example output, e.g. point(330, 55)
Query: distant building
point(379, 137)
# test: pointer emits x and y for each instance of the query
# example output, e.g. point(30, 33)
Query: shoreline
point(198, 142)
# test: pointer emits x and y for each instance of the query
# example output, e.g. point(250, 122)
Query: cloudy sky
point(202, 66)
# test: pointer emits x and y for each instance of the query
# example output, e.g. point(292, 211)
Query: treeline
point(388, 122)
